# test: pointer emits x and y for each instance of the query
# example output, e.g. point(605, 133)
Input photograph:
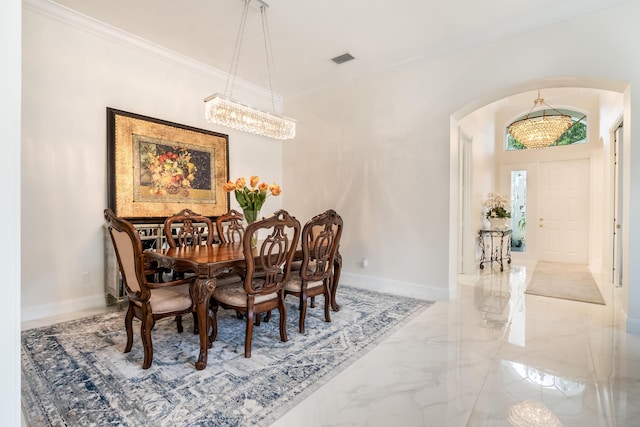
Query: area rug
point(567, 281)
point(75, 373)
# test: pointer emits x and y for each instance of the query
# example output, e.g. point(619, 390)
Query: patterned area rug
point(567, 281)
point(75, 373)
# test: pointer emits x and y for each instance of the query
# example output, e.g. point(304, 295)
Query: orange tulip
point(263, 187)
point(229, 186)
point(240, 183)
point(253, 181)
point(275, 189)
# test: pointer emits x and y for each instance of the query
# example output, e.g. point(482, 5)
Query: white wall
point(376, 153)
point(380, 144)
point(481, 124)
point(10, 12)
point(73, 69)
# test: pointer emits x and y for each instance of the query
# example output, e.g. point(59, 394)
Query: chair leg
point(179, 322)
point(282, 310)
point(214, 323)
point(145, 331)
point(327, 305)
point(303, 311)
point(196, 331)
point(248, 333)
point(260, 318)
point(313, 302)
point(128, 324)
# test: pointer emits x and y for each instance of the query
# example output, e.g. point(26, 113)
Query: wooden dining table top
point(217, 252)
point(206, 260)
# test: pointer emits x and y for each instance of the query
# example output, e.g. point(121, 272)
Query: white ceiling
point(305, 35)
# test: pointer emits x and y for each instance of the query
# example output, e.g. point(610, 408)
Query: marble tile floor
point(491, 356)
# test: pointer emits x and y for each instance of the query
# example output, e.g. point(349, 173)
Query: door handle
point(618, 226)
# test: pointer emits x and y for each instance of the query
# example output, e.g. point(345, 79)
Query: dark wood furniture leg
point(202, 289)
point(337, 268)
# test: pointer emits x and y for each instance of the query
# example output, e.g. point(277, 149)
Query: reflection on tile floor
point(493, 356)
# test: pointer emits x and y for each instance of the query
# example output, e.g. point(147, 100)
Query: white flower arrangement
point(497, 206)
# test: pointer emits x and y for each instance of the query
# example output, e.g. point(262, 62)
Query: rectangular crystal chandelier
point(226, 111)
point(230, 113)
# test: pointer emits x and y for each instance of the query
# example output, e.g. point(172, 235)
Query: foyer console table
point(492, 247)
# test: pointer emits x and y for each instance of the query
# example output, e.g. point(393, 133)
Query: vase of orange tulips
point(252, 197)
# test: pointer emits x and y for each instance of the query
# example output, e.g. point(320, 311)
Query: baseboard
point(66, 307)
point(395, 287)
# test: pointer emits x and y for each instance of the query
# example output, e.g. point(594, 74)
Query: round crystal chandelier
point(539, 131)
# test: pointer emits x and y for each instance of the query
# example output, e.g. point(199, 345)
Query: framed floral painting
point(157, 168)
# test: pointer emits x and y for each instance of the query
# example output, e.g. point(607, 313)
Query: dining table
point(207, 262)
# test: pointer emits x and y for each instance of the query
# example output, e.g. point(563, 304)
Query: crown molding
point(91, 25)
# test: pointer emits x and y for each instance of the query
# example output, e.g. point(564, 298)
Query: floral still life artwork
point(157, 168)
point(172, 171)
point(497, 206)
point(251, 198)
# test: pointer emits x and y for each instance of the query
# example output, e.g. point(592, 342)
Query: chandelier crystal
point(224, 110)
point(230, 113)
point(542, 130)
point(532, 413)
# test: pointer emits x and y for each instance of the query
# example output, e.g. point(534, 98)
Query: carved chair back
point(320, 241)
point(193, 229)
point(268, 266)
point(229, 227)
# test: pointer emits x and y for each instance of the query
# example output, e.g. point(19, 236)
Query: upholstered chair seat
point(295, 283)
point(234, 294)
point(169, 300)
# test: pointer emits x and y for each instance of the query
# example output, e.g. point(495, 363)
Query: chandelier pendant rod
point(268, 49)
point(233, 67)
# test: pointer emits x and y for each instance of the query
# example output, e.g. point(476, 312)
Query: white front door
point(562, 222)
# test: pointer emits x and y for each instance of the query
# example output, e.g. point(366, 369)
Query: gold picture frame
point(157, 168)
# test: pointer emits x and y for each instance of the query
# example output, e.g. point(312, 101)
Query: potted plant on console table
point(498, 211)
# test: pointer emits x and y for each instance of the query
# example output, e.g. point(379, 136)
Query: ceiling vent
point(342, 58)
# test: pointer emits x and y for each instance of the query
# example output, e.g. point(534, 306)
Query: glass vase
point(251, 216)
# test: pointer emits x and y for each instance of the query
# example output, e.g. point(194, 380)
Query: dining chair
point(260, 293)
point(148, 301)
point(320, 241)
point(191, 229)
point(229, 227)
